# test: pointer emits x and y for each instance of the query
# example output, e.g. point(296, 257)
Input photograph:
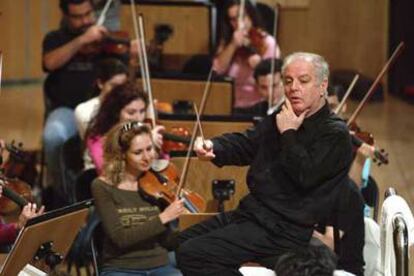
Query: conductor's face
point(302, 87)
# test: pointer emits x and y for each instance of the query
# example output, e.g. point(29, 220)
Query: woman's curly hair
point(110, 109)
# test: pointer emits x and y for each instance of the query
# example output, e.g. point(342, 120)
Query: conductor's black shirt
point(295, 175)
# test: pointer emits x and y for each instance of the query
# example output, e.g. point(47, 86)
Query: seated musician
point(124, 103)
point(334, 97)
point(355, 242)
point(242, 45)
point(299, 158)
point(263, 78)
point(343, 229)
point(9, 231)
point(135, 230)
point(69, 56)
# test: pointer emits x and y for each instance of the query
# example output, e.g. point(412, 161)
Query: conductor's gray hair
point(318, 62)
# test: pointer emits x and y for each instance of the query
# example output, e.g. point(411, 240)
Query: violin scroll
point(381, 157)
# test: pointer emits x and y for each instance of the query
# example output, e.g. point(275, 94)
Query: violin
point(381, 157)
point(177, 139)
point(255, 37)
point(115, 43)
point(20, 164)
point(256, 44)
point(161, 187)
point(16, 194)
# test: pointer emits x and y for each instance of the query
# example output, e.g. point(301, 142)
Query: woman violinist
point(243, 44)
point(125, 102)
point(134, 229)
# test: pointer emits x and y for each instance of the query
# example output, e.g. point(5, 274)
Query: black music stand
point(46, 239)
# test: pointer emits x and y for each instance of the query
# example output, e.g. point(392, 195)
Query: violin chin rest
point(159, 165)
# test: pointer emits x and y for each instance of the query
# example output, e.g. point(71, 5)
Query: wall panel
point(350, 34)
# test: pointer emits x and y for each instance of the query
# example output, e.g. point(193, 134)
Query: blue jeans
point(167, 270)
point(60, 126)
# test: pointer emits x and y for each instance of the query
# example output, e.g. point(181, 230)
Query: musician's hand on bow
point(204, 149)
point(134, 48)
point(239, 38)
point(367, 150)
point(94, 33)
point(254, 60)
point(173, 211)
point(157, 135)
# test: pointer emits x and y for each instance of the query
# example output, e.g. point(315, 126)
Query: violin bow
point(184, 171)
point(199, 124)
point(348, 92)
point(272, 63)
point(240, 20)
point(139, 50)
point(374, 85)
point(143, 60)
point(102, 16)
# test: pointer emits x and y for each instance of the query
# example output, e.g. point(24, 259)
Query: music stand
point(46, 239)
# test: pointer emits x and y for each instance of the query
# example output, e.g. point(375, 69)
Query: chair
point(85, 249)
point(72, 161)
point(201, 175)
point(170, 89)
point(83, 184)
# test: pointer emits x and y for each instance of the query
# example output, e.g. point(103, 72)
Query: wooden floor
point(391, 122)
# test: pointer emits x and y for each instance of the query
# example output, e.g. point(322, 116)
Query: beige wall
point(350, 34)
point(23, 24)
